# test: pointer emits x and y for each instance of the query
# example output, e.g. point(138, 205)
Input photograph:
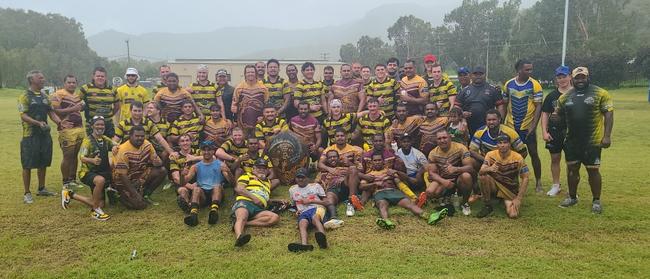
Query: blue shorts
point(309, 214)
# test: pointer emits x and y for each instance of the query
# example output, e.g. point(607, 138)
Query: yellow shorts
point(71, 137)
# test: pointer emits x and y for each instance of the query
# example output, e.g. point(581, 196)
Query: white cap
point(132, 71)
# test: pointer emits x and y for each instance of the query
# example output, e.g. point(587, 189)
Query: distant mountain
point(259, 42)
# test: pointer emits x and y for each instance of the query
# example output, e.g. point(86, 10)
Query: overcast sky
point(137, 17)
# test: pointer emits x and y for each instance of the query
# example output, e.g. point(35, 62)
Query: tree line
point(606, 35)
point(55, 45)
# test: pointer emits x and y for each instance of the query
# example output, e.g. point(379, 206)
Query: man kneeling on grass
point(505, 173)
point(386, 194)
point(253, 191)
point(210, 173)
point(308, 199)
point(138, 170)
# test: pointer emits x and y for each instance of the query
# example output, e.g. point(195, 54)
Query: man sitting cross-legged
point(504, 173)
point(449, 171)
point(210, 173)
point(308, 199)
point(253, 191)
point(386, 194)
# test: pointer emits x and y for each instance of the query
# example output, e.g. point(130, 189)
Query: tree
point(413, 37)
point(481, 30)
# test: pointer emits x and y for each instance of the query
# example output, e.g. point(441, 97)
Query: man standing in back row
point(477, 98)
point(588, 112)
point(523, 96)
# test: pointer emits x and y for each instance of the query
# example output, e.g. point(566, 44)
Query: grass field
point(43, 240)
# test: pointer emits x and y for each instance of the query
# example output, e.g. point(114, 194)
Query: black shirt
point(550, 106)
point(226, 96)
point(478, 100)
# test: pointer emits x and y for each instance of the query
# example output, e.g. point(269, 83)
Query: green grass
point(43, 240)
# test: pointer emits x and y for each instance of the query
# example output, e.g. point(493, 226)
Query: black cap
point(479, 69)
point(261, 162)
point(302, 172)
point(503, 137)
point(405, 135)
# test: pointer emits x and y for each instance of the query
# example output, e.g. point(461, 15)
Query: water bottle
point(455, 200)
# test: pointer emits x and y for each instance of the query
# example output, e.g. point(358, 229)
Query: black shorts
point(557, 144)
point(580, 153)
point(36, 151)
point(89, 179)
point(342, 192)
point(109, 129)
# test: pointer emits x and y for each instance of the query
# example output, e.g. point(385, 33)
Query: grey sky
point(137, 17)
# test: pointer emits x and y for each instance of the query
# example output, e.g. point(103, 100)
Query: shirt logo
point(589, 101)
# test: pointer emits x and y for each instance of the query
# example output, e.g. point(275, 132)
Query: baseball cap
point(479, 69)
point(131, 71)
point(261, 162)
point(503, 137)
point(207, 144)
point(222, 72)
point(463, 70)
point(405, 135)
point(302, 172)
point(430, 58)
point(562, 70)
point(580, 71)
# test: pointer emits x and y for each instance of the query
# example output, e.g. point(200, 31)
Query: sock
point(406, 190)
point(595, 199)
point(40, 188)
point(214, 205)
point(574, 196)
point(332, 209)
point(71, 193)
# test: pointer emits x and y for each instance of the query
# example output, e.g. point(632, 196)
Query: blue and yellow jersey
point(521, 99)
point(483, 142)
point(582, 111)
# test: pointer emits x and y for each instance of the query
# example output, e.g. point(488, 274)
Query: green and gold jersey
point(204, 95)
point(277, 91)
point(37, 106)
point(99, 101)
point(582, 111)
point(91, 148)
point(310, 93)
point(385, 90)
